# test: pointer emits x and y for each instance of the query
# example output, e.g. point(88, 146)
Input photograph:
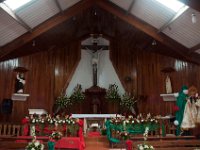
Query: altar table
point(97, 117)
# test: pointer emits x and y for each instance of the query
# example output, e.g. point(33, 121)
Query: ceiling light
point(194, 18)
point(174, 5)
point(15, 4)
point(154, 43)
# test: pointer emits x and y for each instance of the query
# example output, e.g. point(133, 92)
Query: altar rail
point(182, 144)
point(10, 130)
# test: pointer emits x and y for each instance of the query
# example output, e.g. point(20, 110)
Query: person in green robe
point(180, 103)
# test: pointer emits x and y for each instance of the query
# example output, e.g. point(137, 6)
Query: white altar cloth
point(94, 115)
point(87, 117)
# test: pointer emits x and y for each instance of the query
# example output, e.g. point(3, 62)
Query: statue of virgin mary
point(168, 85)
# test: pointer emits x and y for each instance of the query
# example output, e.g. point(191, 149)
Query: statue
point(168, 85)
point(19, 83)
point(95, 60)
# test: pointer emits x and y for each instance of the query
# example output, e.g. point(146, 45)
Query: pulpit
point(95, 100)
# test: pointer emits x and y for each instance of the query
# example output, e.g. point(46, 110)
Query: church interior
point(100, 74)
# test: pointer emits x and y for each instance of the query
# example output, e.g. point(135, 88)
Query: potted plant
point(34, 145)
point(77, 95)
point(112, 94)
point(127, 102)
point(62, 102)
point(113, 98)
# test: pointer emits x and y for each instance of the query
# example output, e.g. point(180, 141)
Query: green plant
point(63, 101)
point(112, 93)
point(127, 101)
point(77, 95)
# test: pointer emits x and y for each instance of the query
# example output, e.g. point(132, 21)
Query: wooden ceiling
point(95, 17)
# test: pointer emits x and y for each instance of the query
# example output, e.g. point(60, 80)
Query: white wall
point(105, 75)
point(83, 73)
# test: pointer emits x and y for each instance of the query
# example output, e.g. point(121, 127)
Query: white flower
point(37, 143)
point(151, 147)
point(146, 146)
point(141, 147)
point(42, 146)
point(32, 148)
point(132, 121)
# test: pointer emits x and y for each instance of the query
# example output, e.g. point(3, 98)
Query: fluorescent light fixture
point(15, 4)
point(175, 5)
point(194, 18)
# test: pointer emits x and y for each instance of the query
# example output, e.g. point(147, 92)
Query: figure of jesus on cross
point(95, 60)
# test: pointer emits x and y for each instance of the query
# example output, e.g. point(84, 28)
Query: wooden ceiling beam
point(49, 24)
point(130, 7)
point(195, 4)
point(195, 48)
point(146, 28)
point(58, 5)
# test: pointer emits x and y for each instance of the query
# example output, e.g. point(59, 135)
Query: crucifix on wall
point(95, 52)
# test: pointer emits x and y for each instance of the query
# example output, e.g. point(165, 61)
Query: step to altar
point(96, 143)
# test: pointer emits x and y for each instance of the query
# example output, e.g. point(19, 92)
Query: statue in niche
point(19, 82)
point(168, 85)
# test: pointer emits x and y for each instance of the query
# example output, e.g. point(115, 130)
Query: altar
point(90, 120)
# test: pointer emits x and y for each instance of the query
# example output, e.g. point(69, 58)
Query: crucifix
point(96, 49)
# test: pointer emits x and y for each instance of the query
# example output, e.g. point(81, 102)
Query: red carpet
point(94, 134)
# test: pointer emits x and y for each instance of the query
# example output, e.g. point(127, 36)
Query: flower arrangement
point(56, 135)
point(127, 101)
point(34, 145)
point(41, 119)
point(63, 101)
point(145, 146)
point(112, 93)
point(77, 95)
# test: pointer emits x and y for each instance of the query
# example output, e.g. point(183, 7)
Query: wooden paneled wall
point(49, 72)
point(139, 71)
point(147, 80)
